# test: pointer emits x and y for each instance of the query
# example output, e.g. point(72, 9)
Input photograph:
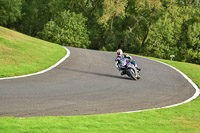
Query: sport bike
point(129, 69)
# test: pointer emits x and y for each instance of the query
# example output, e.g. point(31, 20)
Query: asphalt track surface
point(88, 83)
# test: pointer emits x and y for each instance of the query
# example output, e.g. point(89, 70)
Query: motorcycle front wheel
point(131, 74)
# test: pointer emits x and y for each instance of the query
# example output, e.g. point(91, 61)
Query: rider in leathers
point(120, 55)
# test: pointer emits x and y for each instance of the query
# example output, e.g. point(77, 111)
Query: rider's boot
point(139, 69)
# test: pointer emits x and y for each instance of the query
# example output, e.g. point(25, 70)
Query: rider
point(120, 56)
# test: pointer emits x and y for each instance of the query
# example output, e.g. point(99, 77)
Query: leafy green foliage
point(111, 9)
point(194, 41)
point(67, 29)
point(161, 43)
point(10, 11)
point(35, 14)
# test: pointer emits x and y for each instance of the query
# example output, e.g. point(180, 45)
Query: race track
point(88, 83)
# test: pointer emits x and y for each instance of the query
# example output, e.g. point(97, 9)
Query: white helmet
point(119, 52)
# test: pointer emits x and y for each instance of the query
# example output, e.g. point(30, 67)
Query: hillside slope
point(21, 54)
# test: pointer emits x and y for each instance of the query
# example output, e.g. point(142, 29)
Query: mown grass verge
point(21, 54)
point(180, 119)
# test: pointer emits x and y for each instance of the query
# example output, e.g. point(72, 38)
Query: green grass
point(21, 54)
point(181, 119)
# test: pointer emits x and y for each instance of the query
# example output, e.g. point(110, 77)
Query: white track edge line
point(43, 71)
point(197, 93)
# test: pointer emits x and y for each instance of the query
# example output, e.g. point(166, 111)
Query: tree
point(10, 11)
point(112, 8)
point(193, 52)
point(162, 43)
point(67, 29)
point(149, 11)
point(35, 14)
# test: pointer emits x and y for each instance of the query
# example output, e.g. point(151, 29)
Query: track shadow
point(98, 74)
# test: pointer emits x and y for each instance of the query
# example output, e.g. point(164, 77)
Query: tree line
point(158, 28)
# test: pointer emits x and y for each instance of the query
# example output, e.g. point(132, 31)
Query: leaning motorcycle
point(130, 69)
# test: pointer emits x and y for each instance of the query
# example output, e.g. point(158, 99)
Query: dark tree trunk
point(146, 36)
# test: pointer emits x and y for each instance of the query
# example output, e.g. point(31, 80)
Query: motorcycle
point(129, 69)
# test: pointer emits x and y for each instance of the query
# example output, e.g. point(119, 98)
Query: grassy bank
point(21, 54)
